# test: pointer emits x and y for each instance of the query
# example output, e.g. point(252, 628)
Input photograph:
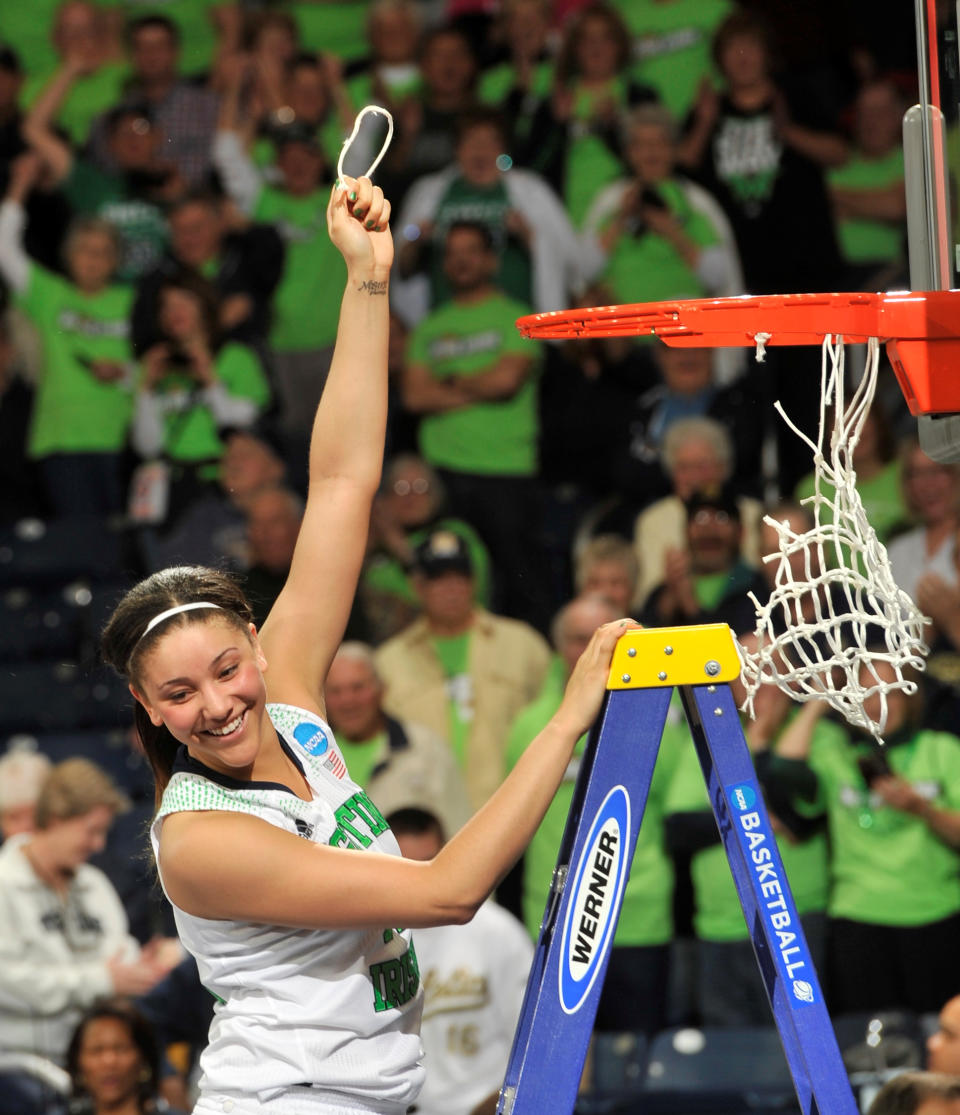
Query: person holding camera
point(81, 412)
point(192, 388)
point(656, 234)
point(893, 820)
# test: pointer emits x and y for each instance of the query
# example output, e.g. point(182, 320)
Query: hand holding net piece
point(835, 612)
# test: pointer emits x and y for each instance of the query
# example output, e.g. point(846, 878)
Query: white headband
point(175, 611)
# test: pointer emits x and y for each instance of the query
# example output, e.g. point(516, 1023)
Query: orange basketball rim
point(921, 330)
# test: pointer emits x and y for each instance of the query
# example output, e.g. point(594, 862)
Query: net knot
point(761, 340)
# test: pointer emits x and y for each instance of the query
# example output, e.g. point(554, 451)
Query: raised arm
point(273, 876)
point(306, 624)
point(241, 179)
point(14, 261)
point(38, 124)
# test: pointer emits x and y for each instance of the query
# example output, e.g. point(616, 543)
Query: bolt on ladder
point(593, 864)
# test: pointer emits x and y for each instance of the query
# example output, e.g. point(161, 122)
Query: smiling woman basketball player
point(287, 883)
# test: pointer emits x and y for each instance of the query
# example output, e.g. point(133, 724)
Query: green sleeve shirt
point(487, 438)
point(590, 164)
point(141, 225)
point(718, 915)
point(646, 916)
point(888, 867)
point(672, 45)
point(335, 27)
point(646, 267)
point(490, 206)
point(75, 412)
point(88, 97)
point(362, 756)
point(881, 496)
point(867, 239)
point(191, 432)
point(306, 303)
point(454, 655)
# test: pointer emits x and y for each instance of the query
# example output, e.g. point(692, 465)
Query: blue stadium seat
point(876, 1046)
point(60, 696)
point(54, 552)
point(875, 1041)
point(103, 598)
point(736, 1071)
point(618, 1063)
point(42, 624)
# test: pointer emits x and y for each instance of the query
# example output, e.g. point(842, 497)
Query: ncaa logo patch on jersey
point(311, 737)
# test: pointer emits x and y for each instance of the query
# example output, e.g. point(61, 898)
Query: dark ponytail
point(123, 643)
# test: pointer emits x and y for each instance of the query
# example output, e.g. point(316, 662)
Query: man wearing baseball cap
point(708, 581)
point(458, 669)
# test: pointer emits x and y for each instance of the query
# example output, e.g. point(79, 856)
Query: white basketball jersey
point(336, 1009)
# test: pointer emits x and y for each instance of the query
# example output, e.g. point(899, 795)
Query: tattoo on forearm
point(374, 286)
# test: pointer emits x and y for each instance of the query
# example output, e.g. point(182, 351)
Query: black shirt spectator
point(244, 264)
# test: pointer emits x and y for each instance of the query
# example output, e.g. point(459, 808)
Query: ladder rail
point(559, 1008)
point(597, 849)
point(775, 929)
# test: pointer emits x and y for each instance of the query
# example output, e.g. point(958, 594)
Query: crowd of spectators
point(168, 308)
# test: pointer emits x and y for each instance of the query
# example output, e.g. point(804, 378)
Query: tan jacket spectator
point(505, 663)
point(697, 452)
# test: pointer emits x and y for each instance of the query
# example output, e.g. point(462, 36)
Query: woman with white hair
point(64, 939)
point(697, 453)
point(656, 234)
point(22, 773)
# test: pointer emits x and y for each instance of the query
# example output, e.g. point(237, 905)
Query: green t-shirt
point(646, 915)
point(329, 135)
point(384, 574)
point(454, 654)
point(866, 239)
point(718, 915)
point(333, 26)
point(74, 412)
point(190, 429)
point(489, 438)
point(401, 82)
point(306, 303)
point(887, 866)
point(140, 224)
point(195, 21)
point(881, 496)
point(361, 756)
point(489, 206)
point(590, 163)
point(672, 45)
point(27, 27)
point(647, 267)
point(88, 97)
point(710, 589)
point(495, 84)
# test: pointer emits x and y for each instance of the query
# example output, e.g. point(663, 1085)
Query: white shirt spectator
point(53, 951)
point(473, 978)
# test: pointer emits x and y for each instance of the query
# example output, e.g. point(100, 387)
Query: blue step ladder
point(593, 864)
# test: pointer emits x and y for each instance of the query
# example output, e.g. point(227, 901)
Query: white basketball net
point(834, 591)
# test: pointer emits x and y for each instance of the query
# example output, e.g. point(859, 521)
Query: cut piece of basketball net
point(837, 609)
point(347, 143)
